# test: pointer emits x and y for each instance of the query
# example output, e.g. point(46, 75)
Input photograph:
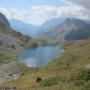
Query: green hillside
point(69, 72)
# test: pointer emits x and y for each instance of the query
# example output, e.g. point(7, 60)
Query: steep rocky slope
point(11, 44)
point(10, 38)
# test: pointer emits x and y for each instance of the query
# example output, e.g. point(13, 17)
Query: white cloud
point(40, 14)
point(44, 11)
point(85, 3)
point(50, 12)
point(16, 14)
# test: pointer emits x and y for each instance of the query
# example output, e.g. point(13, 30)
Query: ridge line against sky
point(36, 12)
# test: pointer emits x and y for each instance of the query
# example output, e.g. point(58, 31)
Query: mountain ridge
point(59, 31)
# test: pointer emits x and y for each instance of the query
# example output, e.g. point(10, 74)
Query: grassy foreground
point(69, 72)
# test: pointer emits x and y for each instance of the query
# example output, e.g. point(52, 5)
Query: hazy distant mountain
point(50, 23)
point(23, 27)
point(60, 30)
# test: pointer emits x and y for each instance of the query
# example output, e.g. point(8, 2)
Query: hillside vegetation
point(11, 45)
point(69, 72)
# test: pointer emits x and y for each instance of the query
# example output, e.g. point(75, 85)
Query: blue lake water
point(40, 56)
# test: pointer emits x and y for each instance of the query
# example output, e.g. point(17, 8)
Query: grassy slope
point(6, 55)
point(57, 74)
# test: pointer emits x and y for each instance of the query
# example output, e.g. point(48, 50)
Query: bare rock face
point(4, 20)
point(10, 42)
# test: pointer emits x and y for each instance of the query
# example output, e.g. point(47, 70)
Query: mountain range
point(52, 22)
point(68, 29)
point(60, 29)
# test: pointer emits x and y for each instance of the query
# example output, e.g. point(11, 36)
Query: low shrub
point(78, 82)
point(52, 81)
point(86, 86)
point(34, 44)
point(82, 75)
point(39, 79)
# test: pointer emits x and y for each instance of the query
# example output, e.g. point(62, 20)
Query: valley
point(58, 58)
point(12, 44)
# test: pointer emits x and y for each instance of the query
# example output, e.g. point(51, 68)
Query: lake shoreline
point(48, 47)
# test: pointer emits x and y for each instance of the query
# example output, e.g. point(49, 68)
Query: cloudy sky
point(38, 11)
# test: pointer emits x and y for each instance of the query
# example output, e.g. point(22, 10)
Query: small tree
point(39, 79)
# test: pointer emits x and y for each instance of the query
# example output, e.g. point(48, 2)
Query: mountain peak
point(4, 20)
